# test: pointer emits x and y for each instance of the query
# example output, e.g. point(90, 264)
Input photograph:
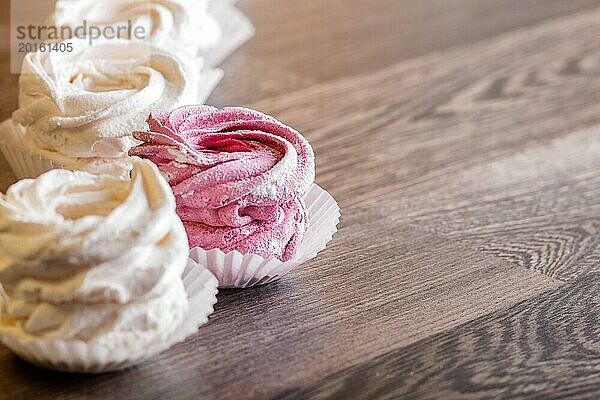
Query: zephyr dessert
point(193, 29)
point(241, 180)
point(94, 270)
point(78, 110)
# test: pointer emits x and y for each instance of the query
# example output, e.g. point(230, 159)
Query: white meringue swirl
point(184, 27)
point(86, 104)
point(93, 258)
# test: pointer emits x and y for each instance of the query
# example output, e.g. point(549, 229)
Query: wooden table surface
point(461, 139)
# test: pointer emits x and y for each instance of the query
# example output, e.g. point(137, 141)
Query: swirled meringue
point(238, 177)
point(93, 258)
point(81, 107)
point(184, 27)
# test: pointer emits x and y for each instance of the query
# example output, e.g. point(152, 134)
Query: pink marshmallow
point(238, 177)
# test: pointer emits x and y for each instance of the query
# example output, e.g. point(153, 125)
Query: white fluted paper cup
point(237, 270)
point(81, 357)
point(23, 162)
point(209, 80)
point(26, 164)
point(236, 29)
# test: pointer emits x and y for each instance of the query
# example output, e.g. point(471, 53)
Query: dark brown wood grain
point(355, 312)
point(543, 348)
point(549, 224)
point(301, 43)
point(425, 118)
point(462, 141)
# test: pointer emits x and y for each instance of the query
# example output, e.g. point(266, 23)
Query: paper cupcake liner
point(209, 79)
point(237, 270)
point(236, 29)
point(26, 164)
point(81, 357)
point(23, 163)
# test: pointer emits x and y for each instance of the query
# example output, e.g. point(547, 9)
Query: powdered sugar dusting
point(238, 177)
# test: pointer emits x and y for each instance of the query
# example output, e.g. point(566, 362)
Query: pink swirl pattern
point(238, 177)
